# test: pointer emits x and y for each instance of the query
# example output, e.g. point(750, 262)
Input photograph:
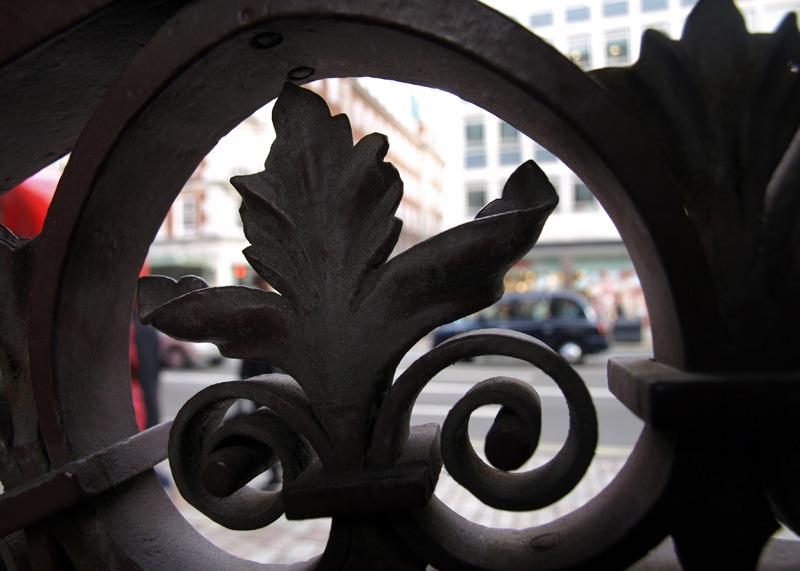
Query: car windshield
point(567, 309)
point(533, 308)
point(518, 309)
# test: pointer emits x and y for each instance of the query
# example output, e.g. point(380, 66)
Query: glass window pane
point(542, 155)
point(189, 215)
point(476, 197)
point(475, 158)
point(567, 309)
point(580, 51)
point(510, 156)
point(617, 48)
point(474, 133)
point(508, 133)
point(578, 13)
point(615, 8)
point(542, 19)
point(650, 5)
point(531, 309)
point(584, 199)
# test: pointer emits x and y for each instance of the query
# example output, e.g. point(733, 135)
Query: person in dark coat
point(146, 338)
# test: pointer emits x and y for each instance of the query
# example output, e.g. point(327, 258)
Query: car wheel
point(176, 359)
point(571, 352)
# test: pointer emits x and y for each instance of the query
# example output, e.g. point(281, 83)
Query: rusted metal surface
point(79, 480)
point(702, 183)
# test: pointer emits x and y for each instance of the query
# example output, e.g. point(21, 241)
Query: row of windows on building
point(610, 8)
point(582, 198)
point(579, 49)
point(509, 148)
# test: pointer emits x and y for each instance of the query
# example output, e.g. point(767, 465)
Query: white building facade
point(579, 247)
point(202, 234)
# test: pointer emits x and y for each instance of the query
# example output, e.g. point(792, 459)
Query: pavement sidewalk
point(291, 541)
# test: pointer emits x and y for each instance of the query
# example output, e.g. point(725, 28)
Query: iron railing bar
point(80, 480)
point(670, 398)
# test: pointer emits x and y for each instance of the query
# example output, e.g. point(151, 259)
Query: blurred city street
point(290, 541)
point(618, 426)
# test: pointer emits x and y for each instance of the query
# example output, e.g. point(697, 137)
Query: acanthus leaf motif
point(722, 105)
point(321, 214)
point(321, 222)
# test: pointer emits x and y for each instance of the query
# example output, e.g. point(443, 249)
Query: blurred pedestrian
point(146, 338)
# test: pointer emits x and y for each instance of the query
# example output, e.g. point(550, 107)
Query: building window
point(542, 155)
point(580, 51)
point(688, 2)
point(617, 48)
point(615, 8)
point(475, 147)
point(650, 5)
point(189, 215)
point(476, 197)
point(510, 149)
point(542, 19)
point(475, 158)
point(474, 133)
point(508, 134)
point(510, 156)
point(578, 13)
point(584, 199)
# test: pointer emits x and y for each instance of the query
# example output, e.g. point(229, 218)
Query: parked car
point(563, 320)
point(177, 354)
point(627, 330)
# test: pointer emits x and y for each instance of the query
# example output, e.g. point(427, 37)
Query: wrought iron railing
point(693, 151)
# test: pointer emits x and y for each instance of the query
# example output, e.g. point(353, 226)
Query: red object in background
point(137, 394)
point(23, 210)
point(240, 271)
point(24, 207)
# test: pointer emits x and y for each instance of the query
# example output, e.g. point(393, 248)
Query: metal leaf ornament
point(723, 105)
point(320, 218)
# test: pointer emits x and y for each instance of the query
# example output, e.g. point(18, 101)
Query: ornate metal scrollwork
point(212, 462)
point(514, 435)
point(320, 221)
point(693, 152)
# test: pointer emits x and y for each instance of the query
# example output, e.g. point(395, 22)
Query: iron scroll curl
point(494, 486)
point(212, 461)
point(137, 151)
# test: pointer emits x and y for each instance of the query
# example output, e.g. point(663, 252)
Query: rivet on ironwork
point(246, 15)
point(265, 40)
point(301, 72)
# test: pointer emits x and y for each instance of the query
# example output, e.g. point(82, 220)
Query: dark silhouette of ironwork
point(693, 151)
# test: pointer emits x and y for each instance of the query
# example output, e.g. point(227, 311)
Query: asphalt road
point(618, 427)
